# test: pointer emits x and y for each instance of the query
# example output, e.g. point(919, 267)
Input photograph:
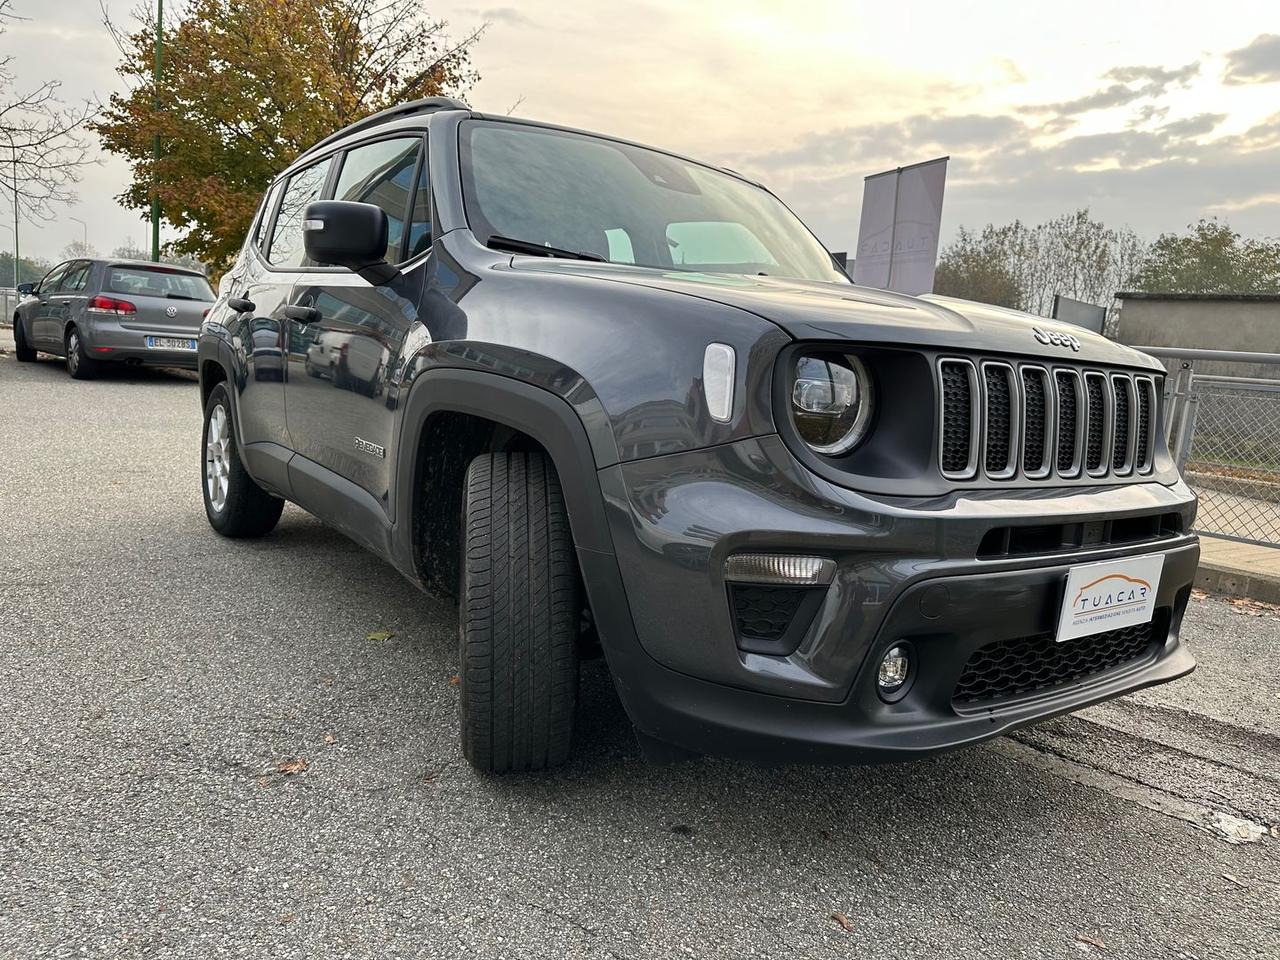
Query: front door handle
point(240, 305)
point(302, 314)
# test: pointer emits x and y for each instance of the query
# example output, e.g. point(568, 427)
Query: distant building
point(1206, 321)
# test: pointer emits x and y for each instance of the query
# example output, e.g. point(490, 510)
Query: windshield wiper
point(496, 242)
point(180, 296)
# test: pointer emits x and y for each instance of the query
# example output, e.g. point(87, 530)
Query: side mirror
point(348, 234)
point(26, 289)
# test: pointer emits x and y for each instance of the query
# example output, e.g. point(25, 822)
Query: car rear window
point(155, 282)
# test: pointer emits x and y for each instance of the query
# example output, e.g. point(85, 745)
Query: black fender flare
point(543, 415)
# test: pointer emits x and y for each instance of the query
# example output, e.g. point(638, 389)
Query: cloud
point(1256, 62)
point(1129, 84)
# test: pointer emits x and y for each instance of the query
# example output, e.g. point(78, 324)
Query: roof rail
point(425, 105)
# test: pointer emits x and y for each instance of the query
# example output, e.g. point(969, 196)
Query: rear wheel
point(80, 365)
point(518, 615)
point(234, 503)
point(21, 349)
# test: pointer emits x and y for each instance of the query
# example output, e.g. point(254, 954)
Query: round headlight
point(831, 402)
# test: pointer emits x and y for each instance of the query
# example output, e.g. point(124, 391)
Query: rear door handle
point(302, 314)
point(240, 305)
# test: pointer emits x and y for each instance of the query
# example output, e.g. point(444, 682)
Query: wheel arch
point(453, 415)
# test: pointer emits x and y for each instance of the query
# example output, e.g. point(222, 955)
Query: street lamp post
point(86, 233)
point(16, 258)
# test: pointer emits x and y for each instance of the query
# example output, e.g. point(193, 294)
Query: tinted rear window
point(155, 282)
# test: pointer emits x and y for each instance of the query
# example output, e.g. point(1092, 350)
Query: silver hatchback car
point(100, 311)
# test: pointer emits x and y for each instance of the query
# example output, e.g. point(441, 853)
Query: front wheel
point(518, 615)
point(21, 349)
point(234, 503)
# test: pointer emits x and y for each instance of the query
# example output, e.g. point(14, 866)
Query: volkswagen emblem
point(170, 311)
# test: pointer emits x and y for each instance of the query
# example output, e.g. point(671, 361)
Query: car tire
point(80, 365)
point(234, 503)
point(21, 349)
point(518, 616)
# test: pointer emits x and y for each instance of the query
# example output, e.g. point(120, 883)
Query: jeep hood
point(811, 310)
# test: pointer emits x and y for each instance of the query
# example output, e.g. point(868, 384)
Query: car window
point(305, 186)
point(261, 227)
point(715, 242)
point(381, 173)
point(420, 218)
point(157, 282)
point(76, 277)
point(53, 278)
point(628, 203)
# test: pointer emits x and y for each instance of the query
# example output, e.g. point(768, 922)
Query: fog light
point(894, 669)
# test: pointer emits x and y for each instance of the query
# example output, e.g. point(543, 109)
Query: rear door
point(341, 363)
point(66, 302)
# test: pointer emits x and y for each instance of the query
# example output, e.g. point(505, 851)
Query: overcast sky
point(1150, 113)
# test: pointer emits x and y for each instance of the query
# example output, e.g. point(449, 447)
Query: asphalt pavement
point(203, 753)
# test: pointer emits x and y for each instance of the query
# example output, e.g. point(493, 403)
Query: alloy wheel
point(73, 352)
point(217, 458)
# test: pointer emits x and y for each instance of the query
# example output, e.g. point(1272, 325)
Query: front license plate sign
point(1108, 596)
point(170, 343)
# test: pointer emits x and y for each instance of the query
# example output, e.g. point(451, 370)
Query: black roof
point(425, 105)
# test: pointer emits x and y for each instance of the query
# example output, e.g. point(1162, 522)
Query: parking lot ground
point(204, 754)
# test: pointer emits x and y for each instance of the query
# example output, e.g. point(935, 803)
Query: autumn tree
point(973, 268)
point(1210, 258)
point(1024, 266)
point(247, 85)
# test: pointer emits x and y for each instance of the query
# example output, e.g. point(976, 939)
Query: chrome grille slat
point(1007, 420)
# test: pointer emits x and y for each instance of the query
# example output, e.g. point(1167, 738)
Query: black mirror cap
point(348, 234)
point(26, 289)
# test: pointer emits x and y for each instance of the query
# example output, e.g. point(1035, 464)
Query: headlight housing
point(831, 402)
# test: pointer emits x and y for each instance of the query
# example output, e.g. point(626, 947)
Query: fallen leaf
point(290, 767)
point(330, 738)
point(379, 635)
point(1091, 941)
point(1242, 886)
point(1198, 595)
point(455, 680)
point(844, 921)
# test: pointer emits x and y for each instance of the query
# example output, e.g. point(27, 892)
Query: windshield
point(158, 282)
point(627, 204)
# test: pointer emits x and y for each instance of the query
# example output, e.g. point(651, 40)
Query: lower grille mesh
point(764, 613)
point(1009, 668)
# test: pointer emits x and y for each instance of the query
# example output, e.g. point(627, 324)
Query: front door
point(41, 320)
point(260, 334)
point(345, 341)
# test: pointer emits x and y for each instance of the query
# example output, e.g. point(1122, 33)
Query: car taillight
point(111, 305)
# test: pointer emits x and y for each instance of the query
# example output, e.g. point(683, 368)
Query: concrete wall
point(1208, 323)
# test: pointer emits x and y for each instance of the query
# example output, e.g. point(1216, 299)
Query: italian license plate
point(1110, 595)
point(170, 343)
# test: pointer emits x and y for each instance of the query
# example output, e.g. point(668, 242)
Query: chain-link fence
point(1224, 432)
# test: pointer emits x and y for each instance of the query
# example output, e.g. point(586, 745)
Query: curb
point(1234, 582)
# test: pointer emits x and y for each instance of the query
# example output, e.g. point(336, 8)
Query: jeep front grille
point(1007, 421)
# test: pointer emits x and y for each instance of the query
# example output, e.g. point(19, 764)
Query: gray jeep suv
point(94, 312)
point(616, 400)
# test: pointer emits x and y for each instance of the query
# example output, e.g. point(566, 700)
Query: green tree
point(973, 267)
point(29, 269)
point(247, 85)
point(1025, 266)
point(1210, 258)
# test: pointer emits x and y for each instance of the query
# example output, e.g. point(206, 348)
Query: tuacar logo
point(1111, 592)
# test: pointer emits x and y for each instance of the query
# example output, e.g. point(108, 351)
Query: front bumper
point(906, 570)
point(107, 341)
